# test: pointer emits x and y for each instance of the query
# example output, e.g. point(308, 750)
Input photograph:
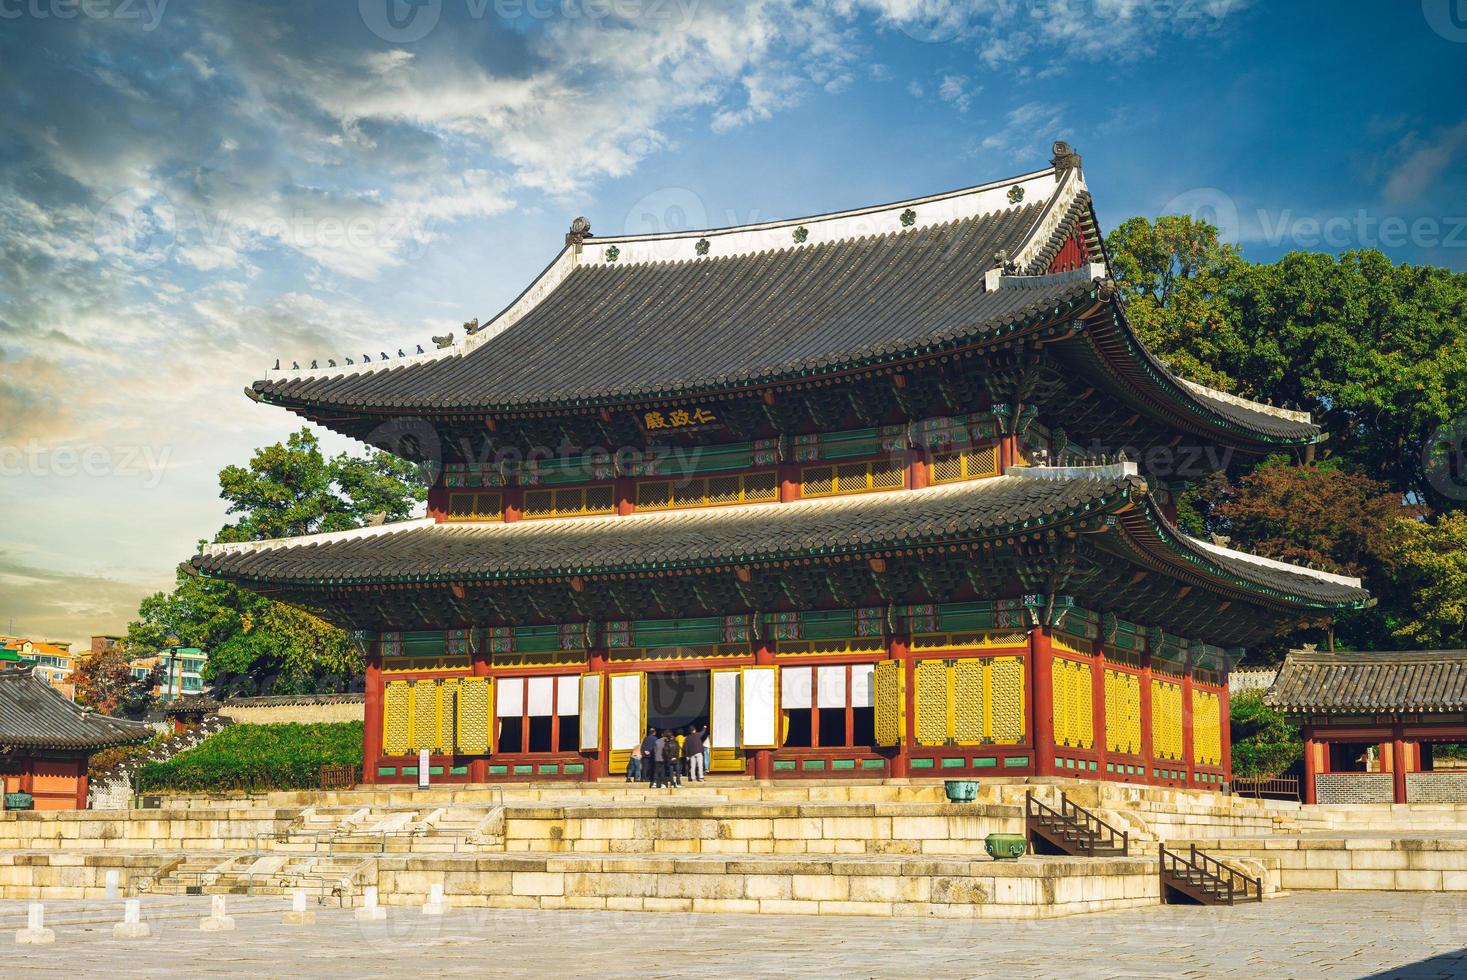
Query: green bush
point(1265, 743)
point(254, 758)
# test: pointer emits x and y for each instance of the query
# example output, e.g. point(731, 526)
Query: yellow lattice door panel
point(447, 715)
point(1206, 728)
point(397, 719)
point(1074, 704)
point(932, 703)
point(472, 716)
point(1084, 695)
point(425, 716)
point(1166, 720)
point(1122, 712)
point(1059, 692)
point(1006, 700)
point(968, 701)
point(890, 683)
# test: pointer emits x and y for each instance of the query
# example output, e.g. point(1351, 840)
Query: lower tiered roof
point(1081, 519)
point(34, 715)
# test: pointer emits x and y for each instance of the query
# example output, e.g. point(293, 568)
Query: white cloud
point(1424, 162)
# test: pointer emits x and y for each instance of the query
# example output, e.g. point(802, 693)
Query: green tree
point(1378, 352)
point(255, 643)
point(1430, 563)
point(291, 488)
point(1265, 743)
point(1171, 275)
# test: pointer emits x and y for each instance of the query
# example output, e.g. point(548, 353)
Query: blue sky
point(193, 189)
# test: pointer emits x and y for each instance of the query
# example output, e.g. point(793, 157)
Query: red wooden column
point(789, 481)
point(372, 717)
point(479, 666)
point(1311, 763)
point(1188, 759)
point(596, 765)
point(916, 466)
point(1041, 701)
point(764, 758)
point(626, 495)
point(81, 783)
point(1399, 764)
point(1097, 706)
point(900, 649)
point(1147, 758)
point(1225, 730)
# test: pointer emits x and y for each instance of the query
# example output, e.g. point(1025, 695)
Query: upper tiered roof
point(626, 319)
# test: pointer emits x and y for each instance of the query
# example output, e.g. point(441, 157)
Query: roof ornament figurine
point(580, 230)
point(1002, 262)
point(420, 348)
point(1065, 157)
point(314, 366)
point(350, 361)
point(472, 327)
point(331, 362)
point(277, 364)
point(444, 341)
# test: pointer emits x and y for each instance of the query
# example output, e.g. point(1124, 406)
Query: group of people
point(666, 758)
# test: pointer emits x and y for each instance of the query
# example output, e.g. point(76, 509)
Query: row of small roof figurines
point(471, 327)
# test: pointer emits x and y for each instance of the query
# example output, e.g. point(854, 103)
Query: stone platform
point(885, 848)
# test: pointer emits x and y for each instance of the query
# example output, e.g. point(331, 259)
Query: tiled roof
point(422, 551)
point(35, 715)
point(657, 328)
point(1314, 682)
point(646, 542)
point(295, 700)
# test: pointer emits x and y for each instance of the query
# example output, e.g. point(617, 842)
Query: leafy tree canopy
point(257, 644)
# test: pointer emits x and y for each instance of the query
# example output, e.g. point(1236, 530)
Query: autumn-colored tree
point(1321, 516)
point(104, 681)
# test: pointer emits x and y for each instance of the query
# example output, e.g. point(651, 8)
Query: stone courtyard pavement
point(1311, 935)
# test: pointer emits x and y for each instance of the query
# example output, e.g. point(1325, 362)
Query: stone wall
point(269, 711)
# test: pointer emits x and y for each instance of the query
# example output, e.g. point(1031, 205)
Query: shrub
point(255, 758)
point(1265, 743)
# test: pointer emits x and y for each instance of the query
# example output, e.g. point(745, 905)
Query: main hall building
point(855, 489)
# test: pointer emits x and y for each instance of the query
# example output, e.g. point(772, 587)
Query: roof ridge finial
point(580, 230)
point(1065, 157)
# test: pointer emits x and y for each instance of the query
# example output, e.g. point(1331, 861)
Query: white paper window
point(509, 699)
point(568, 695)
point(725, 729)
point(591, 719)
point(863, 694)
point(541, 695)
point(626, 711)
point(794, 687)
point(759, 725)
point(830, 687)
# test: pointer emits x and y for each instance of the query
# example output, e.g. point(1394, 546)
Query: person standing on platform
point(693, 752)
point(682, 757)
point(649, 756)
point(634, 766)
point(659, 761)
point(707, 740)
point(671, 762)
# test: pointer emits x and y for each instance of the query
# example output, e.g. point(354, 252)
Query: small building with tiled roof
point(854, 489)
point(1370, 719)
point(46, 740)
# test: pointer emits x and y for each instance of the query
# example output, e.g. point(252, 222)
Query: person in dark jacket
point(671, 762)
point(693, 752)
point(649, 756)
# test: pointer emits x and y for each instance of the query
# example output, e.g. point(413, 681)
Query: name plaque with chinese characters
point(677, 419)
